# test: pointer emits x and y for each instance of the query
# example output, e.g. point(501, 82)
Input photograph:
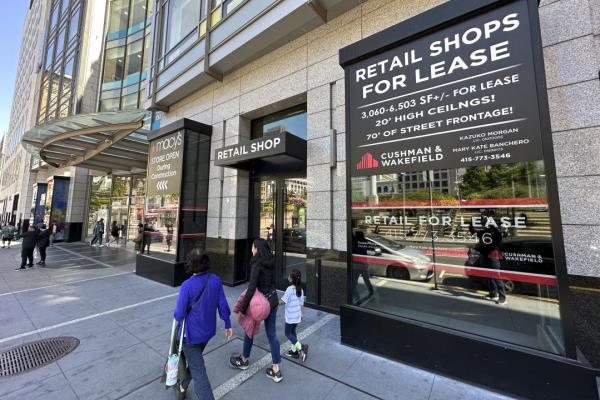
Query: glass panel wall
point(118, 199)
point(127, 45)
point(468, 248)
point(99, 206)
point(61, 47)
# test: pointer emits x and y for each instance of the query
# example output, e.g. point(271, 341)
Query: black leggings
point(43, 253)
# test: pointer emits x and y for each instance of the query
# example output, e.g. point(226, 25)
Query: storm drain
point(32, 355)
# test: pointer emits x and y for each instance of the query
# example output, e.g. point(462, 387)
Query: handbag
point(175, 367)
point(171, 370)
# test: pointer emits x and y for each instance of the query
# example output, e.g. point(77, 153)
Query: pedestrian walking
point(200, 298)
point(27, 248)
point(43, 241)
point(169, 237)
point(98, 232)
point(114, 233)
point(53, 232)
point(147, 237)
point(139, 239)
point(293, 298)
point(489, 240)
point(8, 234)
point(262, 278)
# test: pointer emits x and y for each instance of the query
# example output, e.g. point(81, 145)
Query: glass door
point(280, 219)
point(293, 228)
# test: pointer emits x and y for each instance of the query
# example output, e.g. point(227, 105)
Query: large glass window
point(99, 206)
point(114, 61)
point(60, 49)
point(133, 64)
point(473, 252)
point(118, 16)
point(182, 18)
point(138, 15)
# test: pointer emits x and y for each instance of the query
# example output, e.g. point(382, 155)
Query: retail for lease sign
point(164, 165)
point(463, 95)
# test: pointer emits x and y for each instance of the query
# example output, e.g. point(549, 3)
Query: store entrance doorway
point(279, 217)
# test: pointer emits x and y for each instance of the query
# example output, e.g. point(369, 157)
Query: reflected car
point(294, 240)
point(531, 256)
point(397, 260)
point(156, 236)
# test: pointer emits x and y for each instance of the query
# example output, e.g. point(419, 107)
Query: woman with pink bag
point(262, 279)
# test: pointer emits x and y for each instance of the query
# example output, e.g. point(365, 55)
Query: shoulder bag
point(174, 369)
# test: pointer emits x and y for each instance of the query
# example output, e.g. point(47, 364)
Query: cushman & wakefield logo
point(367, 161)
point(167, 144)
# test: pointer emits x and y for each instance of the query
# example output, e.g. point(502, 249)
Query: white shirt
point(293, 305)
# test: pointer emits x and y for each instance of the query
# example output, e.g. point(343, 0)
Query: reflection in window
point(451, 253)
point(74, 25)
point(292, 120)
point(160, 226)
point(109, 104)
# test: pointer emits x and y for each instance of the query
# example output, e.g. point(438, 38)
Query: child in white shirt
point(293, 298)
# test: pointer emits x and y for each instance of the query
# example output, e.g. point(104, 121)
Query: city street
point(123, 324)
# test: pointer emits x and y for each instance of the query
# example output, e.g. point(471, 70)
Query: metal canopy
point(103, 141)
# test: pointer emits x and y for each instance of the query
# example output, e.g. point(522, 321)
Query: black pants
point(146, 245)
point(27, 255)
point(43, 253)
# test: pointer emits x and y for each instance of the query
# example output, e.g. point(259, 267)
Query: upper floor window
point(183, 17)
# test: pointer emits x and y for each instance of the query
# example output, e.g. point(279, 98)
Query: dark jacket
point(29, 240)
point(262, 277)
point(43, 238)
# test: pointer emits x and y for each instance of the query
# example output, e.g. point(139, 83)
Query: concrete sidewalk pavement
point(123, 322)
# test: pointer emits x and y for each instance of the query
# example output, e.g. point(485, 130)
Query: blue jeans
point(271, 329)
point(290, 332)
point(195, 362)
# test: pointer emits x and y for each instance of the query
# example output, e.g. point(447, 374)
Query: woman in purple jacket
point(200, 297)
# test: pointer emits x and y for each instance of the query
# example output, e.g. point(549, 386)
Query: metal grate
point(32, 355)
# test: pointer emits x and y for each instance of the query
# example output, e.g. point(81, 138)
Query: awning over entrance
point(277, 150)
point(109, 141)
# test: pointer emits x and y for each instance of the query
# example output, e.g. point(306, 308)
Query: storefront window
point(434, 253)
point(99, 202)
point(136, 209)
point(160, 226)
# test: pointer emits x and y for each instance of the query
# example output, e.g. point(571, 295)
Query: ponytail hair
point(297, 281)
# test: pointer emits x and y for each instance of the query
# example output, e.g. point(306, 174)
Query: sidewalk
point(123, 322)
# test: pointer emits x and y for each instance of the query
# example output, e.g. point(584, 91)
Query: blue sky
point(11, 24)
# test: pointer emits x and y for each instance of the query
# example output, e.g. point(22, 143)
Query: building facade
point(254, 69)
point(254, 109)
